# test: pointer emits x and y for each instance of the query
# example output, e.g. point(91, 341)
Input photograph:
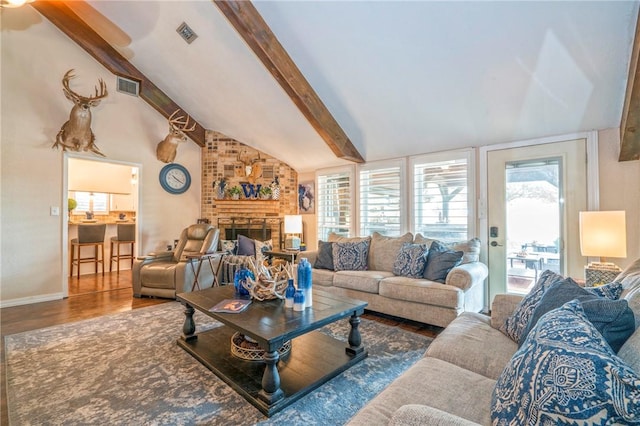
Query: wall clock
point(175, 178)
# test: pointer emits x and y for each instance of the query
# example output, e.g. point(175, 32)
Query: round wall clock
point(175, 178)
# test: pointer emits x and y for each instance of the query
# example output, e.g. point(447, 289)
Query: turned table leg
point(271, 391)
point(189, 326)
point(355, 340)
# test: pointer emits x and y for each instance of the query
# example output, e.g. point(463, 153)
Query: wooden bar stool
point(126, 234)
point(88, 236)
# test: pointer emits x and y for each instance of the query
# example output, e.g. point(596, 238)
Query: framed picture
point(306, 198)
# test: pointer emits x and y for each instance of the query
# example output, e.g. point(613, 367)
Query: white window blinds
point(96, 202)
point(441, 200)
point(334, 203)
point(381, 200)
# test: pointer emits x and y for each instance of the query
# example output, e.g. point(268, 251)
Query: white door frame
point(593, 197)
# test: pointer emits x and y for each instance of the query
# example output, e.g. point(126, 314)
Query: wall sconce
point(603, 234)
point(293, 231)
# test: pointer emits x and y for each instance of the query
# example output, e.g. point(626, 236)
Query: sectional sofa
point(473, 368)
point(370, 273)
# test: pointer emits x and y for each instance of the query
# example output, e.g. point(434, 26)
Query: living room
point(36, 55)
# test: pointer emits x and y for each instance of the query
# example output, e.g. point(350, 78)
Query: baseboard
point(31, 299)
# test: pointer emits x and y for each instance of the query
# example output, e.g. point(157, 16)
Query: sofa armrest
point(162, 255)
point(502, 307)
point(311, 256)
point(467, 275)
point(418, 415)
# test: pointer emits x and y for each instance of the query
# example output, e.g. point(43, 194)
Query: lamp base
point(600, 273)
point(292, 243)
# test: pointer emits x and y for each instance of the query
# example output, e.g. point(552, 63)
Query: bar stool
point(126, 234)
point(88, 236)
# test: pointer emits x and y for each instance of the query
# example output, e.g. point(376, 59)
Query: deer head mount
point(76, 134)
point(168, 147)
point(251, 169)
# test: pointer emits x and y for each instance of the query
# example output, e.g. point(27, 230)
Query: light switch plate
point(54, 211)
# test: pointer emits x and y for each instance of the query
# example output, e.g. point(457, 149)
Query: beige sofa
point(454, 381)
point(412, 298)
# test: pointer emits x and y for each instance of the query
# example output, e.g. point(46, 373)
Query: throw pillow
point(440, 261)
point(471, 248)
point(612, 318)
point(261, 247)
point(350, 256)
point(565, 373)
point(324, 259)
point(411, 260)
point(518, 321)
point(228, 246)
point(246, 246)
point(383, 250)
point(611, 291)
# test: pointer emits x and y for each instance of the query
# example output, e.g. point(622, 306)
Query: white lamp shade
point(603, 234)
point(293, 224)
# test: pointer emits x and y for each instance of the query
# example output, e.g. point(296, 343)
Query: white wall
point(620, 189)
point(35, 56)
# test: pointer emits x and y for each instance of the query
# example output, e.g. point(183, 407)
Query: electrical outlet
point(54, 211)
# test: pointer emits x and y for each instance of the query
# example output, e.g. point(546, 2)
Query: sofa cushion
point(471, 248)
point(439, 384)
point(410, 260)
point(324, 260)
point(422, 291)
point(612, 318)
point(630, 351)
point(336, 238)
point(565, 372)
point(322, 277)
point(350, 256)
point(470, 342)
point(367, 281)
point(515, 325)
point(383, 250)
point(440, 261)
point(419, 415)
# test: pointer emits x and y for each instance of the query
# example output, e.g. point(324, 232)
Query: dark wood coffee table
point(276, 382)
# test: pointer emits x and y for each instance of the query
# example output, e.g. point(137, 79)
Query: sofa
point(473, 369)
point(370, 273)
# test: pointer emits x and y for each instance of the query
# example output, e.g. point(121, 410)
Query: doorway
point(534, 194)
point(109, 191)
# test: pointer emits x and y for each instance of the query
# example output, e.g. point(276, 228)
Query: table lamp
point(292, 230)
point(602, 234)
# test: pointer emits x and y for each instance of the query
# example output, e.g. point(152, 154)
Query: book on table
point(232, 306)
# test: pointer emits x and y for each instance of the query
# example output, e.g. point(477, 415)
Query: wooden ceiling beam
point(256, 33)
point(630, 124)
point(63, 17)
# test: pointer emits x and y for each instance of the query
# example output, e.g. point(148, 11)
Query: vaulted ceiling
point(393, 78)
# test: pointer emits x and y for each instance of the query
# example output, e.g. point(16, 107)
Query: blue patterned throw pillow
point(350, 256)
point(611, 291)
point(411, 260)
point(566, 373)
point(515, 325)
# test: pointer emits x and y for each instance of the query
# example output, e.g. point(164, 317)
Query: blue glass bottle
point(289, 293)
point(239, 278)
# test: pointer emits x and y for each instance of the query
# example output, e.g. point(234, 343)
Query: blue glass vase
point(239, 279)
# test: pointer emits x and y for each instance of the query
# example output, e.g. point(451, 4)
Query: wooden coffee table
point(276, 382)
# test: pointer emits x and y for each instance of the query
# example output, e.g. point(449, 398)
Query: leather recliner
point(165, 274)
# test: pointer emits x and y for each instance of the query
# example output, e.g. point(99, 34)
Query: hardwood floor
point(96, 295)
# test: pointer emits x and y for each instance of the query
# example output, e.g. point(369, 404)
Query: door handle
point(495, 244)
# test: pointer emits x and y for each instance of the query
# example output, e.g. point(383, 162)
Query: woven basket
point(250, 351)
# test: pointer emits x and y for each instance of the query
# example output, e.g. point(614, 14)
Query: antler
point(76, 97)
point(179, 123)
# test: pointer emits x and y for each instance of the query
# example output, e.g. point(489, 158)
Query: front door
point(534, 196)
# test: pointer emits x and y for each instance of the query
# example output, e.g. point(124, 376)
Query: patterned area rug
point(127, 369)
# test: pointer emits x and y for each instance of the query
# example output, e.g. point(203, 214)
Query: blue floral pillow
point(350, 256)
point(611, 291)
point(411, 260)
point(515, 325)
point(566, 373)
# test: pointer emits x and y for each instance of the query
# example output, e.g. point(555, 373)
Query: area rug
point(126, 368)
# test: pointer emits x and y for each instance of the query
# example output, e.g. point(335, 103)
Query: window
point(98, 202)
point(441, 196)
point(334, 202)
point(381, 198)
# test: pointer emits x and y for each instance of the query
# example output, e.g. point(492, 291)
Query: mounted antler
point(76, 133)
point(168, 147)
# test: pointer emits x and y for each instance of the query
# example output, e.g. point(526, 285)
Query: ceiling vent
point(186, 33)
point(130, 87)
